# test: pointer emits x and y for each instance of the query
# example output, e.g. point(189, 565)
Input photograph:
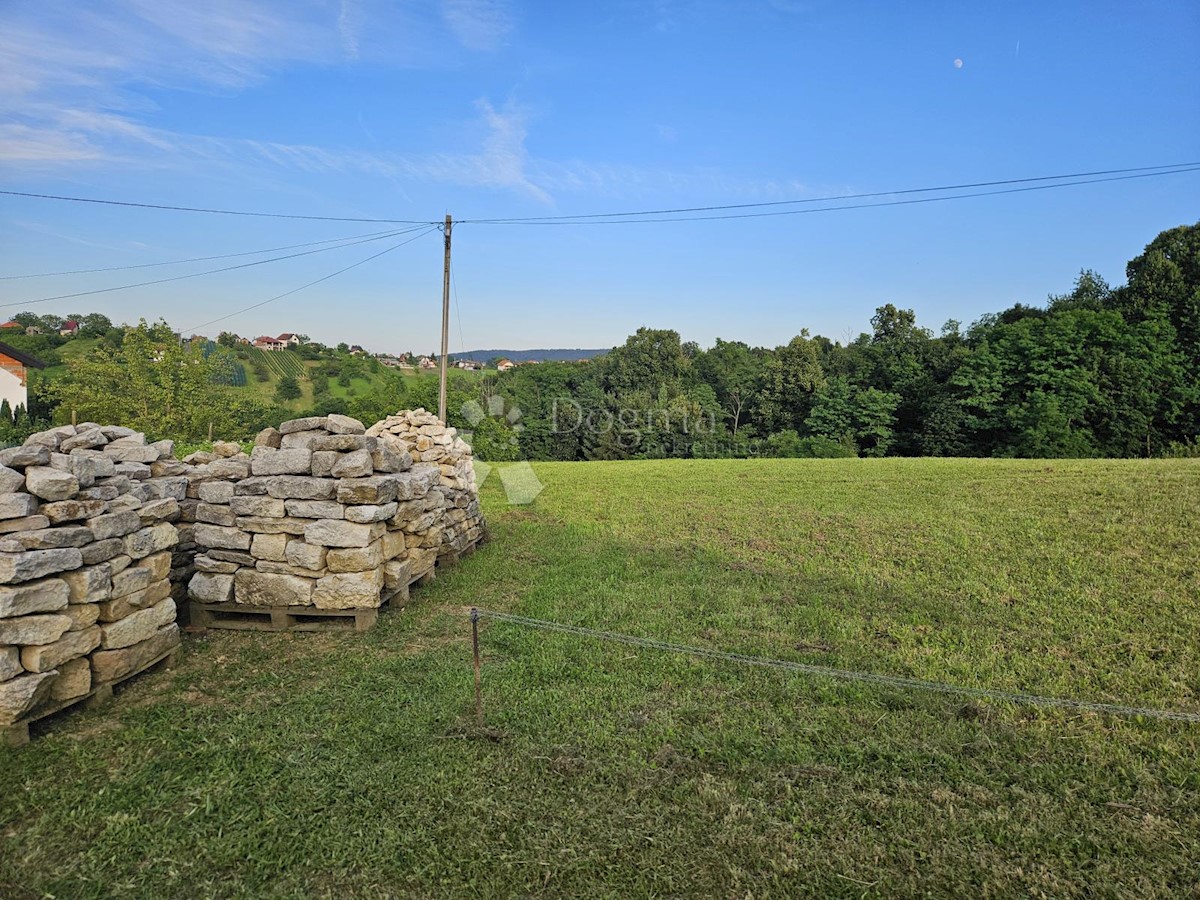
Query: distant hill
point(558, 355)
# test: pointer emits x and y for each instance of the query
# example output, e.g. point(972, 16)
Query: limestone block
point(133, 439)
point(131, 454)
point(54, 538)
point(22, 694)
point(226, 449)
point(15, 506)
point(338, 424)
point(421, 559)
point(33, 564)
point(10, 662)
point(385, 459)
point(372, 490)
point(393, 544)
point(216, 491)
point(356, 559)
point(210, 588)
point(303, 555)
point(264, 525)
point(49, 595)
point(370, 513)
point(122, 483)
point(82, 615)
point(256, 588)
point(314, 509)
point(10, 527)
point(269, 546)
point(74, 679)
point(101, 551)
point(159, 564)
point(300, 440)
point(151, 540)
point(71, 510)
point(123, 607)
point(10, 480)
point(84, 440)
point(109, 665)
point(114, 525)
point(28, 455)
point(233, 556)
point(266, 461)
point(88, 469)
point(268, 437)
point(221, 538)
point(354, 590)
point(164, 510)
point(169, 468)
point(310, 423)
point(133, 629)
point(322, 462)
point(211, 566)
point(300, 487)
point(252, 486)
point(356, 464)
point(163, 488)
point(216, 514)
point(131, 581)
point(258, 506)
point(340, 533)
point(345, 442)
point(72, 645)
point(282, 568)
point(37, 629)
point(230, 469)
point(397, 573)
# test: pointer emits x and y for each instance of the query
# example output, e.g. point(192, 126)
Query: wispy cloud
point(72, 95)
point(478, 24)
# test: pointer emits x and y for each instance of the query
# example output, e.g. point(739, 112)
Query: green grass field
point(342, 765)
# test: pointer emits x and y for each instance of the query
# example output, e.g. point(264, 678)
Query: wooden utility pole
point(445, 326)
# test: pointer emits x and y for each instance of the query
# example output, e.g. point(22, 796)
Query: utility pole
point(445, 325)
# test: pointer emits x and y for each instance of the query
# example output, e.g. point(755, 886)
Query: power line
point(310, 284)
point(176, 262)
point(259, 262)
point(222, 212)
point(846, 674)
point(671, 214)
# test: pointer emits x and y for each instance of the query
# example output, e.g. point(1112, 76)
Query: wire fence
point(894, 681)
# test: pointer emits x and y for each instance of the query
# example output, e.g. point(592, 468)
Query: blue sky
point(486, 108)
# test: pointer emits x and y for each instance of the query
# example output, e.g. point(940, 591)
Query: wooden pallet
point(454, 557)
point(240, 617)
point(17, 734)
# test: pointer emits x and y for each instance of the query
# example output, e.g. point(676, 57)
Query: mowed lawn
point(350, 765)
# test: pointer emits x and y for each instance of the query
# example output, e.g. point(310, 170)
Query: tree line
point(1101, 371)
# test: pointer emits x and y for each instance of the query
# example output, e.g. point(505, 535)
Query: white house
point(14, 371)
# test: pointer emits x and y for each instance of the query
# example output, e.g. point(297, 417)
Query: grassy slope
point(335, 765)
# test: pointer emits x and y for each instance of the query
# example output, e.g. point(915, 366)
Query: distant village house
point(283, 342)
point(14, 372)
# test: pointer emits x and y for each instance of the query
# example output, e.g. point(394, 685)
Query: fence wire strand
point(895, 681)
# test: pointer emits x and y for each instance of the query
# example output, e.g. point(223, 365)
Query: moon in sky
point(958, 64)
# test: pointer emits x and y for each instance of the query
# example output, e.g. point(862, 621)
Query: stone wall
point(322, 514)
point(86, 533)
point(422, 435)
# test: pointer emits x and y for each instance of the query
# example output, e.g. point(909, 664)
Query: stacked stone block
point(325, 516)
point(422, 435)
point(86, 534)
